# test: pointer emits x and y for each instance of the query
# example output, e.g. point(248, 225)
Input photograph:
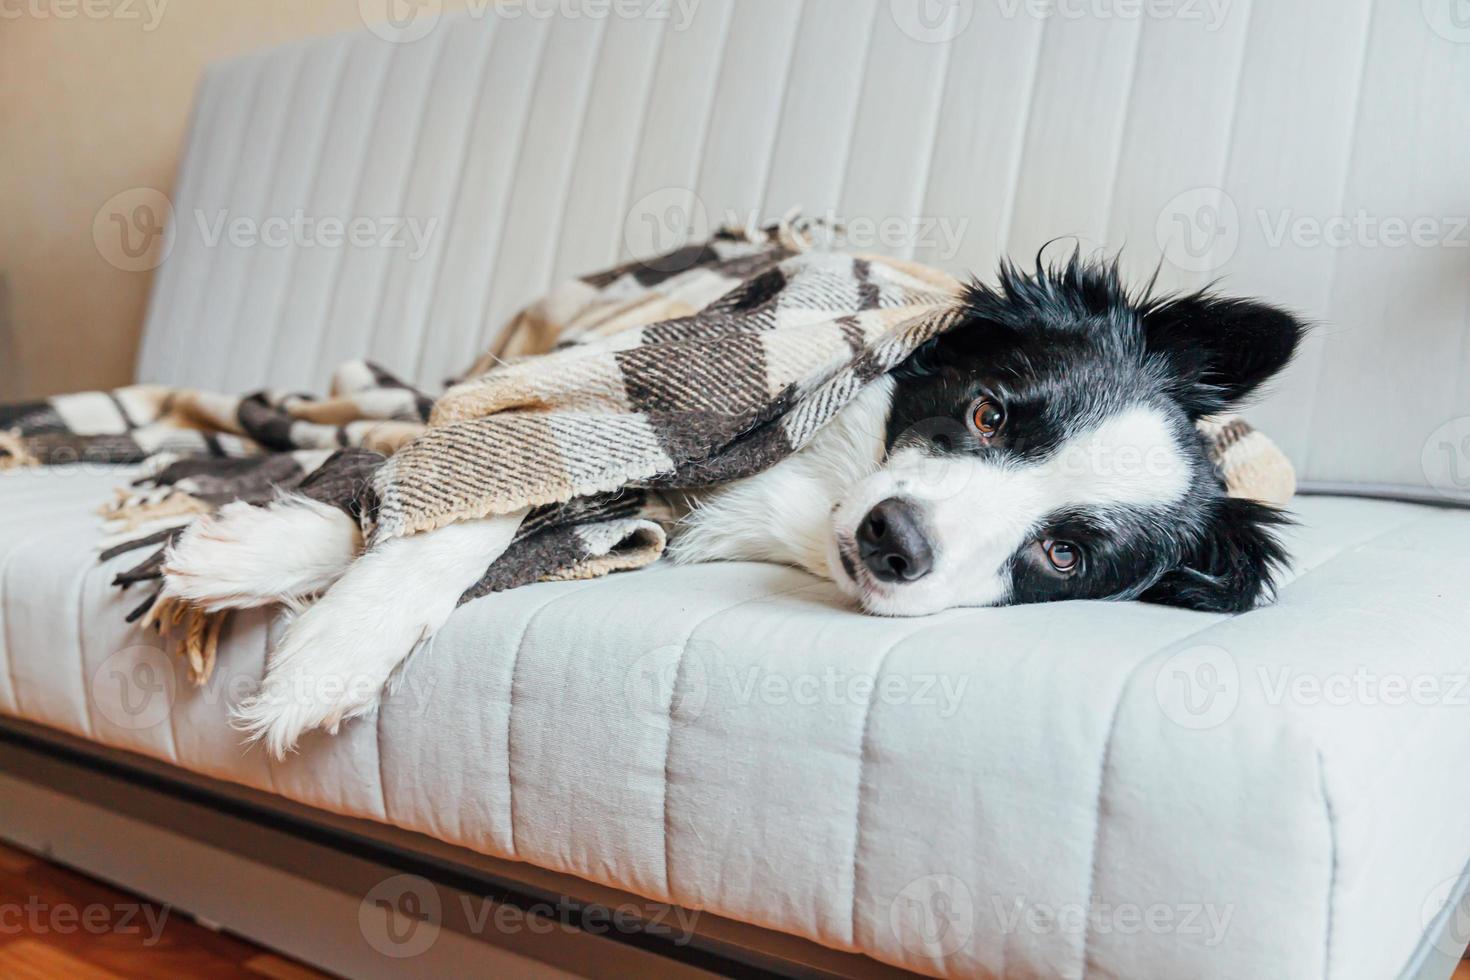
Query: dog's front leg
point(335, 658)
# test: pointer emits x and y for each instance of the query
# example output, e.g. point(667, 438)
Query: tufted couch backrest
point(1287, 147)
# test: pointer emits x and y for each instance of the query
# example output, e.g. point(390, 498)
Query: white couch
point(1064, 790)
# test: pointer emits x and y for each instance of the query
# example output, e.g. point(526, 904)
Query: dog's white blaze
point(1130, 458)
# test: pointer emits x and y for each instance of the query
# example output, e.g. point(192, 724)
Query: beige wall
point(96, 94)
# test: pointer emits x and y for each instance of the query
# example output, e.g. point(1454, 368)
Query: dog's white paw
point(330, 666)
point(336, 657)
point(243, 556)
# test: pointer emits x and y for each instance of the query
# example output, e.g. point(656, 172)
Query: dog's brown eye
point(1063, 555)
point(987, 417)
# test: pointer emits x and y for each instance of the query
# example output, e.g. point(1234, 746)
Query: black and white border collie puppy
point(1044, 449)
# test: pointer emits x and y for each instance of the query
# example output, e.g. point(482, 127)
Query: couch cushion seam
point(5, 618)
point(467, 144)
point(1102, 775)
point(265, 661)
point(857, 829)
point(419, 654)
point(1331, 863)
point(862, 748)
point(319, 154)
point(6, 641)
point(89, 723)
point(510, 708)
point(674, 700)
point(338, 260)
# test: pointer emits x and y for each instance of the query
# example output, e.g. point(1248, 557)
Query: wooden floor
point(57, 923)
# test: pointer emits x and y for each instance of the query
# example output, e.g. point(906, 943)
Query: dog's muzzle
point(891, 542)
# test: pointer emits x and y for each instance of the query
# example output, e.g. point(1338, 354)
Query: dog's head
point(1045, 449)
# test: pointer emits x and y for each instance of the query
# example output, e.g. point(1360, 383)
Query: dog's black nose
point(891, 543)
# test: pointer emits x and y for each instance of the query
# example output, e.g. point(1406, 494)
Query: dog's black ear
point(1220, 349)
point(1232, 566)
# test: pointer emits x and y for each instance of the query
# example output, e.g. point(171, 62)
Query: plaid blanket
point(701, 367)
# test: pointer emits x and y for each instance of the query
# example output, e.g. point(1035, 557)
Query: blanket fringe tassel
point(199, 633)
point(198, 629)
point(132, 510)
point(13, 452)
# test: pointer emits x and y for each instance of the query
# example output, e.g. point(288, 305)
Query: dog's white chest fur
point(784, 514)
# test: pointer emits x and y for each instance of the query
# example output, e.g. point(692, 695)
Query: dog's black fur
point(1062, 346)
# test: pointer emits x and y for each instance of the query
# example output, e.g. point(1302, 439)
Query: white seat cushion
point(1278, 793)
